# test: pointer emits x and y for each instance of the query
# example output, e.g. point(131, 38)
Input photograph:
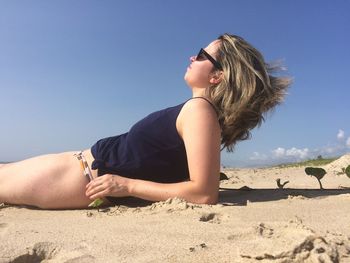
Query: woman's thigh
point(53, 181)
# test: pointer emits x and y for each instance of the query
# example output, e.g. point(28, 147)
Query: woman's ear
point(216, 77)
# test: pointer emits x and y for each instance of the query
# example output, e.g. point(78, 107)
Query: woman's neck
point(198, 93)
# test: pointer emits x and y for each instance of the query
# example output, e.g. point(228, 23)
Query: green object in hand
point(96, 203)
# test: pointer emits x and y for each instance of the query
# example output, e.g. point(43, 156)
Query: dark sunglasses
point(203, 55)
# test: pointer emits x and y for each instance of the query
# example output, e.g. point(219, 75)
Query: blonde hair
point(247, 91)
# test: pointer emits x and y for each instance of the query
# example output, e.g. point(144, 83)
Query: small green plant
point(281, 185)
point(96, 203)
point(347, 171)
point(223, 176)
point(317, 172)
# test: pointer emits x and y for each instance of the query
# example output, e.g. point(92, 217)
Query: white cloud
point(258, 157)
point(340, 135)
point(331, 149)
point(298, 153)
point(291, 153)
point(348, 142)
point(279, 152)
point(283, 155)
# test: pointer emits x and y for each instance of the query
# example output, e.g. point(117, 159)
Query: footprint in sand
point(292, 242)
point(264, 231)
point(46, 251)
point(38, 253)
point(311, 249)
point(211, 218)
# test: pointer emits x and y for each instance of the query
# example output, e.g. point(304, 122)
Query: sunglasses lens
point(201, 56)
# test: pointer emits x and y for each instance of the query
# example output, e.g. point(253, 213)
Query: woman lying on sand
point(173, 152)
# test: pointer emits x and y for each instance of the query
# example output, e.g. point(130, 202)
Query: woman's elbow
point(208, 199)
point(203, 195)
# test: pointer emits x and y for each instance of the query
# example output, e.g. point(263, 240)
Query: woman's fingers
point(98, 195)
point(100, 186)
point(97, 180)
point(96, 188)
point(106, 185)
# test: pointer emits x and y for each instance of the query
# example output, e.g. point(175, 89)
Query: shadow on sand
point(228, 196)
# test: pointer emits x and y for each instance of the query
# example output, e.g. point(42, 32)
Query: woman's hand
point(107, 185)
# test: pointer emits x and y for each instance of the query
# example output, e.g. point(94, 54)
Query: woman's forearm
point(188, 190)
point(114, 185)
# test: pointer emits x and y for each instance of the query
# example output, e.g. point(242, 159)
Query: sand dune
point(338, 165)
point(255, 221)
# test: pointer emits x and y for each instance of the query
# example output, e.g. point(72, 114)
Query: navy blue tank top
point(152, 150)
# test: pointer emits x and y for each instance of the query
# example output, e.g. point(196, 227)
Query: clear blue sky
point(72, 72)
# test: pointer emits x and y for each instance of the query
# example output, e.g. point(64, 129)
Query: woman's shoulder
point(198, 105)
point(197, 111)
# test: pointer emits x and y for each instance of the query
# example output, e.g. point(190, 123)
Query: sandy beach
point(254, 221)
